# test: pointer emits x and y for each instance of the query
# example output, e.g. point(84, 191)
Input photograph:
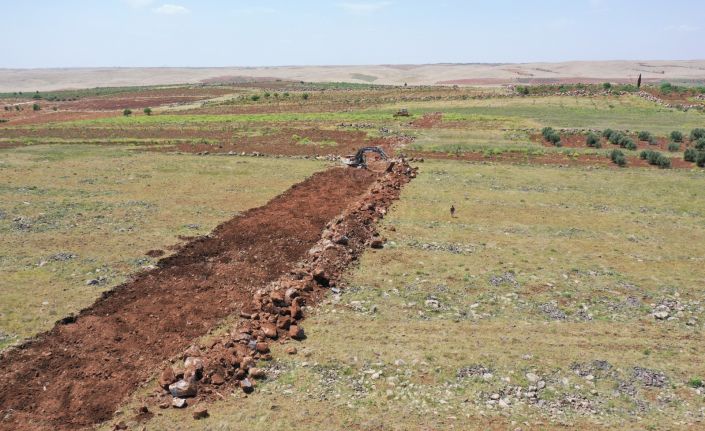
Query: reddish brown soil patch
point(48, 116)
point(428, 121)
point(546, 159)
point(77, 374)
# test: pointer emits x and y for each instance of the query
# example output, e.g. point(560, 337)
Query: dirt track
point(78, 373)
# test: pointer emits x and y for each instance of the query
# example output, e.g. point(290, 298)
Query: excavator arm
point(358, 160)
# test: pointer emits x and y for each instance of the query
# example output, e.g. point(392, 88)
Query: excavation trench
point(78, 373)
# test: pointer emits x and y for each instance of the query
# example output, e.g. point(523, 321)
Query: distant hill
point(449, 74)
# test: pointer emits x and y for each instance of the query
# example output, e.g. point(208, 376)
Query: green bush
point(523, 90)
point(546, 131)
point(700, 159)
point(626, 142)
point(127, 112)
point(644, 136)
point(618, 158)
point(674, 147)
point(148, 111)
point(655, 158)
point(255, 97)
point(36, 107)
point(607, 133)
point(305, 96)
point(700, 144)
point(593, 141)
point(607, 85)
point(676, 136)
point(690, 155)
point(614, 137)
point(696, 134)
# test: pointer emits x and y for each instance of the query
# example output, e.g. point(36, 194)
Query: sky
point(202, 33)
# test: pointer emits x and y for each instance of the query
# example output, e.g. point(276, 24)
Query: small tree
point(700, 144)
point(127, 112)
point(36, 107)
point(696, 134)
point(690, 155)
point(607, 86)
point(618, 158)
point(148, 111)
point(700, 159)
point(255, 97)
point(674, 147)
point(593, 141)
point(305, 96)
point(644, 136)
point(676, 136)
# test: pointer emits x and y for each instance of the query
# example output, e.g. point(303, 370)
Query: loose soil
point(76, 375)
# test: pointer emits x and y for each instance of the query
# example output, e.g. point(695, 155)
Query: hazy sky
point(71, 33)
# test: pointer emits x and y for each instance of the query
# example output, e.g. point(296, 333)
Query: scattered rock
point(269, 330)
point(532, 378)
point(200, 412)
point(167, 377)
point(178, 403)
point(246, 385)
point(217, 379)
point(257, 373)
point(296, 332)
point(291, 350)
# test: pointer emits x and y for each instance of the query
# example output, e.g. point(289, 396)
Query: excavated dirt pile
point(267, 264)
point(276, 311)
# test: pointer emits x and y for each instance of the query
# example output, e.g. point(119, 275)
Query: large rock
point(269, 329)
point(184, 388)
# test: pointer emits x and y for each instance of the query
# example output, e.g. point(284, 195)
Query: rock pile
point(275, 313)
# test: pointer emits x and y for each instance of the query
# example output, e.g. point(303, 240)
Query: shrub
point(546, 131)
point(593, 141)
point(607, 85)
point(127, 112)
point(663, 162)
point(696, 134)
point(700, 144)
point(655, 158)
point(607, 133)
point(555, 139)
point(615, 138)
point(690, 155)
point(645, 136)
point(305, 96)
point(148, 111)
point(674, 147)
point(676, 136)
point(254, 97)
point(700, 159)
point(523, 90)
point(618, 158)
point(266, 95)
point(626, 142)
point(36, 107)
